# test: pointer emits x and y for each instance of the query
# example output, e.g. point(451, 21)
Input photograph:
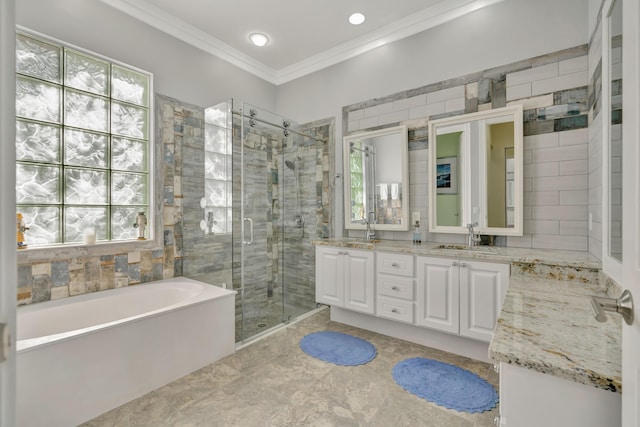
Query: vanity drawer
point(395, 286)
point(395, 264)
point(395, 309)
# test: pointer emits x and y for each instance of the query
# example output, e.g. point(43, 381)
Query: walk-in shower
point(279, 190)
point(255, 196)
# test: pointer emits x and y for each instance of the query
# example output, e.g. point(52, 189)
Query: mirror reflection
point(614, 82)
point(476, 164)
point(376, 179)
point(448, 198)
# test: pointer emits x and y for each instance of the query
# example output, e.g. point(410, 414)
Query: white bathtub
point(82, 356)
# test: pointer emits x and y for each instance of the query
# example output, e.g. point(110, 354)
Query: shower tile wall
point(205, 257)
point(315, 202)
point(553, 90)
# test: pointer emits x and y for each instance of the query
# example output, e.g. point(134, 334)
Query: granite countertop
point(575, 259)
point(548, 326)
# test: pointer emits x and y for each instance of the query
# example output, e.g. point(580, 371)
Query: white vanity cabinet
point(459, 296)
point(437, 302)
point(345, 278)
point(395, 287)
point(483, 286)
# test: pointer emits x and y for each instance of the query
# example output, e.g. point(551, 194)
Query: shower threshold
point(273, 329)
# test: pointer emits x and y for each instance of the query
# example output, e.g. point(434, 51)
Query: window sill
point(45, 253)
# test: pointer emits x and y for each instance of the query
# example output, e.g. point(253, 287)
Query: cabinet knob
point(395, 264)
point(463, 264)
point(345, 253)
point(340, 252)
point(394, 310)
point(394, 288)
point(454, 263)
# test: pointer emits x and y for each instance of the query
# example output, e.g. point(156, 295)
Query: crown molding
point(423, 20)
point(167, 23)
point(397, 30)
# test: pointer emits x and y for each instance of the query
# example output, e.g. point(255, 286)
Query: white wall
point(500, 34)
point(180, 71)
point(594, 10)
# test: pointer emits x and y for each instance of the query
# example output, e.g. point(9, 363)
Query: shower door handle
point(250, 242)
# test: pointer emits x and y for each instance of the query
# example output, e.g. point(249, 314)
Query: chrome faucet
point(371, 232)
point(210, 222)
point(472, 239)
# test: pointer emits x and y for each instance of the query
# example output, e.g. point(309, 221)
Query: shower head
point(291, 165)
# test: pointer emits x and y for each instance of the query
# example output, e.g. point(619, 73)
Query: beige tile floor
point(273, 383)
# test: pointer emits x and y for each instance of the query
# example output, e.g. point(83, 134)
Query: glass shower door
point(261, 243)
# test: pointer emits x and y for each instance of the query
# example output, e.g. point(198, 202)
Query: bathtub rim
point(211, 292)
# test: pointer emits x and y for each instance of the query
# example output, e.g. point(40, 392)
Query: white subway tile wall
point(561, 181)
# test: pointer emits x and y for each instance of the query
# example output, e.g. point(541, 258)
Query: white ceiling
point(306, 35)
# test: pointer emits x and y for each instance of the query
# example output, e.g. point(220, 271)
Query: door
point(261, 284)
point(7, 211)
point(437, 294)
point(483, 286)
point(329, 272)
point(631, 209)
point(359, 281)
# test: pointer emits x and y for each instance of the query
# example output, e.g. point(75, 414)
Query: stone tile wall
point(553, 90)
point(46, 274)
point(52, 273)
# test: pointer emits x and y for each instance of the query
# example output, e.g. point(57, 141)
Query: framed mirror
point(611, 112)
point(376, 179)
point(475, 173)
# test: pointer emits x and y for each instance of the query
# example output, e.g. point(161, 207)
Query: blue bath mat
point(338, 348)
point(445, 385)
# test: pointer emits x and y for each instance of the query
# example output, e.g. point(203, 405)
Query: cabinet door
point(437, 294)
point(329, 272)
point(359, 283)
point(482, 289)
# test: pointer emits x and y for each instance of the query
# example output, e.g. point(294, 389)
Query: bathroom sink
point(465, 248)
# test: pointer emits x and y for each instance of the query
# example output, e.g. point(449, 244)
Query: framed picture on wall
point(447, 175)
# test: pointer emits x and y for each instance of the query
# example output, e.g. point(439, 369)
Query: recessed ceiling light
point(356, 18)
point(259, 39)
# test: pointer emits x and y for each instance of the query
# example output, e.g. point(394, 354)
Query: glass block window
point(217, 201)
point(82, 143)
